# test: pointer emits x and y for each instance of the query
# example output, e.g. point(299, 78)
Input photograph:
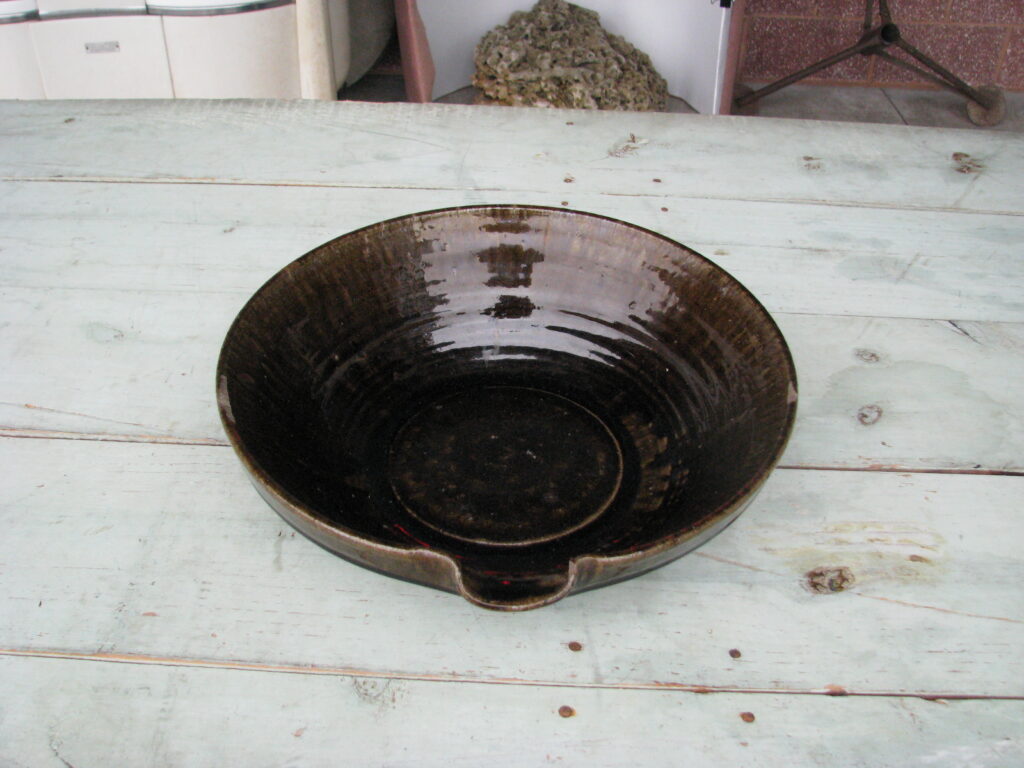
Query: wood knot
point(967, 164)
point(869, 414)
point(566, 711)
point(867, 356)
point(828, 579)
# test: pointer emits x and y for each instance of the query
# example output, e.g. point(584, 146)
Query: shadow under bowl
point(508, 402)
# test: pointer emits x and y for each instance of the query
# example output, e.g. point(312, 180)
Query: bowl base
point(504, 465)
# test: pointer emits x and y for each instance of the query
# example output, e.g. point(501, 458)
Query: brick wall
point(982, 41)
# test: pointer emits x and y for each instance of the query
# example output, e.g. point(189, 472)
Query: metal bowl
point(508, 402)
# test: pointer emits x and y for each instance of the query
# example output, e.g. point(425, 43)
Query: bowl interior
point(516, 386)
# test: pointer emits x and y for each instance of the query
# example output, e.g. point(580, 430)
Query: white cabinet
point(238, 55)
point(109, 57)
point(19, 73)
point(53, 9)
point(132, 49)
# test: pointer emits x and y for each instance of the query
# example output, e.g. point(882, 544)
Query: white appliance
point(176, 48)
point(251, 54)
point(19, 71)
point(102, 57)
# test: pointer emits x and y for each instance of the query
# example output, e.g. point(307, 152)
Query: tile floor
point(813, 102)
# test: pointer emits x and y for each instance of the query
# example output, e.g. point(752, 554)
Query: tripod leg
point(989, 112)
point(869, 14)
point(923, 74)
point(863, 44)
point(951, 80)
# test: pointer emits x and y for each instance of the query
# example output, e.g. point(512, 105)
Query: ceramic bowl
point(508, 402)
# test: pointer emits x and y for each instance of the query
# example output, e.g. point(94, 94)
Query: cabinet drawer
point(110, 57)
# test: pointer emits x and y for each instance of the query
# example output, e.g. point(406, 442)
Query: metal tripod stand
point(985, 106)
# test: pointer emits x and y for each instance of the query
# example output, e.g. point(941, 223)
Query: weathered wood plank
point(211, 238)
point(452, 146)
point(875, 392)
point(116, 550)
point(80, 713)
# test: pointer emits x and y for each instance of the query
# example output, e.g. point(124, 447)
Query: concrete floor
point(811, 102)
point(939, 109)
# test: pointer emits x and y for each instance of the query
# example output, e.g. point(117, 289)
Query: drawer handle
point(110, 46)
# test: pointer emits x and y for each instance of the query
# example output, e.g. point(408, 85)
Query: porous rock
point(559, 55)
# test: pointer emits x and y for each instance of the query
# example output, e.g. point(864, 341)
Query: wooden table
point(154, 611)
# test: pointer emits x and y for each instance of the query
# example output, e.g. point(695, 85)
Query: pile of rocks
point(558, 55)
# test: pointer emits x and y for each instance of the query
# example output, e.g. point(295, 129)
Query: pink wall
point(982, 41)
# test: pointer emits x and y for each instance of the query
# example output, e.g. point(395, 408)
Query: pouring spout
point(501, 593)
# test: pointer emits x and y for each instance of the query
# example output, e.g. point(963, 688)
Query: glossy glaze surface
point(509, 402)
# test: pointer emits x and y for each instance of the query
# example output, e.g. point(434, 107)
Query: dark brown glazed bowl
point(508, 402)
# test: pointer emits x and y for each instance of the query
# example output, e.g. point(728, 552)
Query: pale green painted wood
point(504, 149)
point(115, 296)
point(141, 364)
point(166, 551)
point(794, 257)
point(84, 713)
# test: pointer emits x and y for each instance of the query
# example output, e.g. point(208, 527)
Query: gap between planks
point(102, 437)
point(210, 181)
point(293, 669)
